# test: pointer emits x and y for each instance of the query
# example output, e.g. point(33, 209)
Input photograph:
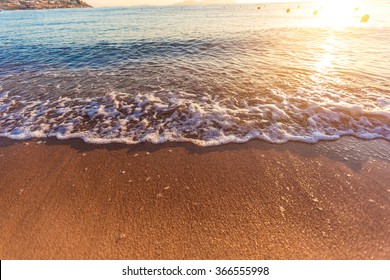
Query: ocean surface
point(203, 74)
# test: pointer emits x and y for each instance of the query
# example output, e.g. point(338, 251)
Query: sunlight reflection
point(326, 61)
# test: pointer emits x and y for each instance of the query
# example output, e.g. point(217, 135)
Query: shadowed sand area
point(72, 200)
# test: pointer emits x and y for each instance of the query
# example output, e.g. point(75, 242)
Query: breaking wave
point(204, 120)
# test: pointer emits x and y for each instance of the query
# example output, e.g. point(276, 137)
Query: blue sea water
point(203, 74)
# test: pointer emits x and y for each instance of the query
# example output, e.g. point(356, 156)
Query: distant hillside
point(41, 4)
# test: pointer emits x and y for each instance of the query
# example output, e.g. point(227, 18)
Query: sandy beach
point(73, 200)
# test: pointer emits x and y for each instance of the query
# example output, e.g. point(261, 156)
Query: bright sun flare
point(339, 13)
point(337, 5)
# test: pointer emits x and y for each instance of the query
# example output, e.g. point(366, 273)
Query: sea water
point(202, 74)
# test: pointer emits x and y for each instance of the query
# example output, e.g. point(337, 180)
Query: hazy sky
point(99, 3)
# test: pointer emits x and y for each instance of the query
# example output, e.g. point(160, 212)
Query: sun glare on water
point(339, 14)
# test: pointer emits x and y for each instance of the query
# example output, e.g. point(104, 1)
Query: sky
point(101, 3)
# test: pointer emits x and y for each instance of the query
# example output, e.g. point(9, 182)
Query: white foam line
point(159, 117)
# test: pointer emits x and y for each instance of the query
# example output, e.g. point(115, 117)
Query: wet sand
point(72, 200)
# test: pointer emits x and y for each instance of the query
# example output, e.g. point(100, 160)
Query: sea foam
point(204, 120)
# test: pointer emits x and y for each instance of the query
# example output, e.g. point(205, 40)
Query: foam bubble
point(205, 120)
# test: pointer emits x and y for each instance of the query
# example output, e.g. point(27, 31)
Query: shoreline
point(29, 7)
point(39, 9)
point(67, 199)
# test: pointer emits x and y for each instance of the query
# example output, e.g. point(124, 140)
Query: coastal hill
point(41, 4)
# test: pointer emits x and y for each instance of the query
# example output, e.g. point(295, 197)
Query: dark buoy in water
point(315, 13)
point(288, 10)
point(364, 18)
